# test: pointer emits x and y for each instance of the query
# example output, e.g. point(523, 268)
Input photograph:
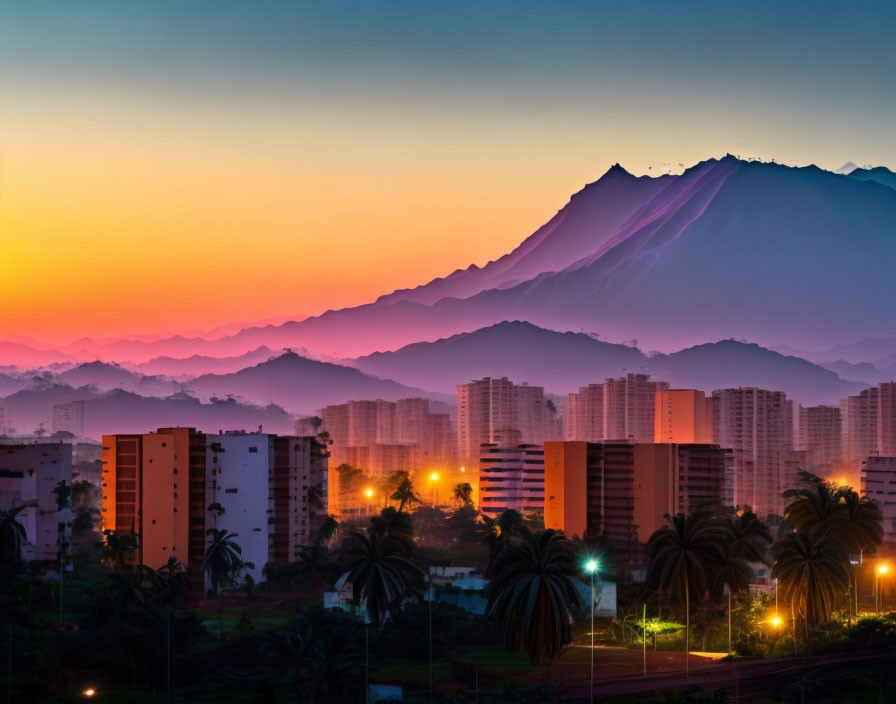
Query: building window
point(253, 449)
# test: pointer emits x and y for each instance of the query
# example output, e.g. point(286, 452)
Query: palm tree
point(325, 655)
point(862, 521)
point(394, 524)
point(380, 572)
point(118, 550)
point(533, 597)
point(463, 492)
point(326, 530)
point(222, 557)
point(173, 578)
point(810, 566)
point(684, 556)
point(12, 539)
point(405, 495)
point(816, 503)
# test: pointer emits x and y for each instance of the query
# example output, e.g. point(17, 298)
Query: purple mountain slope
point(728, 249)
point(561, 362)
point(188, 367)
point(880, 174)
point(301, 385)
point(593, 215)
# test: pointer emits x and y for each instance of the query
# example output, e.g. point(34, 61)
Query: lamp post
point(882, 569)
point(434, 477)
point(591, 568)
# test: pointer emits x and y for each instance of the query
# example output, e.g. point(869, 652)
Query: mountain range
point(563, 361)
point(728, 249)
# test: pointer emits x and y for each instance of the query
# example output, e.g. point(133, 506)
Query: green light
point(591, 566)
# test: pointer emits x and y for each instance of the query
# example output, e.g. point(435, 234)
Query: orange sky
point(162, 172)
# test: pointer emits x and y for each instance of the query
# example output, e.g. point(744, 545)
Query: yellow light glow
point(89, 692)
point(434, 476)
point(883, 568)
point(776, 621)
point(463, 469)
point(369, 493)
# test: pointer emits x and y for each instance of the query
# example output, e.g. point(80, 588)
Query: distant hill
point(106, 376)
point(302, 385)
point(880, 174)
point(196, 365)
point(729, 363)
point(561, 362)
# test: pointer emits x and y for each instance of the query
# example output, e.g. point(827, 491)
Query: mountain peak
point(617, 169)
point(847, 168)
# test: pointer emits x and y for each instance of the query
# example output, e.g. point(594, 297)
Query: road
point(745, 678)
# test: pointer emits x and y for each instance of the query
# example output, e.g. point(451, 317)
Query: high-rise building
point(886, 419)
point(375, 430)
point(879, 484)
point(28, 475)
point(298, 495)
point(584, 417)
point(69, 417)
point(675, 478)
point(623, 490)
point(630, 407)
point(589, 489)
point(488, 407)
point(682, 416)
point(820, 435)
point(757, 425)
point(859, 417)
point(154, 486)
point(511, 476)
point(160, 485)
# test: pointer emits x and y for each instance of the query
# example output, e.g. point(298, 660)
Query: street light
point(434, 477)
point(369, 494)
point(882, 569)
point(89, 692)
point(591, 568)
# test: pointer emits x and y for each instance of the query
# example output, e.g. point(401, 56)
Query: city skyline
point(201, 158)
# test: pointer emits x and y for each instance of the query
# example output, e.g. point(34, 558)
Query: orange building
point(622, 491)
point(682, 416)
point(154, 485)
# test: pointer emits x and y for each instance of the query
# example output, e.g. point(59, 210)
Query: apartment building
point(682, 416)
point(821, 437)
point(879, 484)
point(488, 407)
point(511, 476)
point(757, 425)
point(29, 472)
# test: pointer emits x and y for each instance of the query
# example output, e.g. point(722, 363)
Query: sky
point(175, 166)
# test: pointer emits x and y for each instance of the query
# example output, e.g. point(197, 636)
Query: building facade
point(821, 437)
point(682, 416)
point(879, 484)
point(28, 475)
point(511, 476)
point(757, 425)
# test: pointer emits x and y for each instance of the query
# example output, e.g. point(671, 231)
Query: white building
point(879, 484)
point(511, 476)
point(28, 475)
point(238, 470)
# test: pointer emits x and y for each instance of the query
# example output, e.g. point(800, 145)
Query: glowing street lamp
point(591, 568)
point(776, 621)
point(883, 569)
point(434, 477)
point(369, 494)
point(90, 692)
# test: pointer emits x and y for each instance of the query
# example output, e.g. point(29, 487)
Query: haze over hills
point(302, 385)
point(561, 362)
point(729, 248)
point(879, 174)
point(188, 367)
